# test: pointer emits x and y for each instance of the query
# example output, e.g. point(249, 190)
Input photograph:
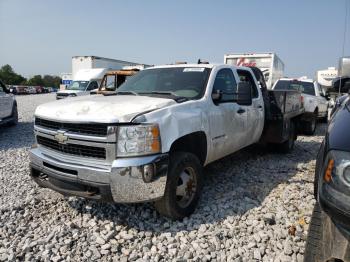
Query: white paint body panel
point(99, 108)
point(6, 104)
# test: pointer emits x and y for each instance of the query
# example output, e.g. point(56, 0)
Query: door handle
point(260, 107)
point(240, 111)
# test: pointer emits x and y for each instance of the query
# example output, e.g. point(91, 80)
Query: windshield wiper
point(114, 93)
point(173, 95)
point(127, 93)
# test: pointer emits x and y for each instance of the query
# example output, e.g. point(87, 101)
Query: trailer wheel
point(310, 126)
point(288, 145)
point(183, 187)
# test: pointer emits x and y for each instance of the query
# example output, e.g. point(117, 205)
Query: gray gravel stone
point(249, 202)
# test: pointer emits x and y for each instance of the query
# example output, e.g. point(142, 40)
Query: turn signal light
point(328, 174)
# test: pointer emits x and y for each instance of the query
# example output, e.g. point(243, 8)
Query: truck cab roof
point(297, 79)
point(211, 66)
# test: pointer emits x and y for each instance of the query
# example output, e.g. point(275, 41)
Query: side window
point(226, 83)
point(246, 76)
point(319, 89)
point(93, 85)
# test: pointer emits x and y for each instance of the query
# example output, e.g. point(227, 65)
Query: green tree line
point(10, 77)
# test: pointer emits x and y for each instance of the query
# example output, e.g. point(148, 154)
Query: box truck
point(269, 63)
point(91, 62)
point(85, 80)
point(88, 71)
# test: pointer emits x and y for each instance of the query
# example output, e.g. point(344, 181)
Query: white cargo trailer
point(91, 62)
point(269, 63)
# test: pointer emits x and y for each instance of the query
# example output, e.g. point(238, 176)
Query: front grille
point(63, 170)
point(72, 149)
point(90, 129)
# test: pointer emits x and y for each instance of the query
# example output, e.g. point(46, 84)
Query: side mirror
point(216, 96)
point(244, 94)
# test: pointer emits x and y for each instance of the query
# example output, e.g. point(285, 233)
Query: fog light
point(148, 173)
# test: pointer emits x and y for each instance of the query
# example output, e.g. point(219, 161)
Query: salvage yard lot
point(256, 206)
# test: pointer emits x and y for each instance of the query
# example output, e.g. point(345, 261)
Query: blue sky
point(41, 36)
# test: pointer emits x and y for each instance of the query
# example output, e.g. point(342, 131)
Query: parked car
point(18, 90)
point(39, 89)
point(329, 231)
point(8, 106)
point(315, 101)
point(150, 140)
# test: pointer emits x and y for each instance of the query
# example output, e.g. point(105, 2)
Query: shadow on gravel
point(232, 186)
point(19, 136)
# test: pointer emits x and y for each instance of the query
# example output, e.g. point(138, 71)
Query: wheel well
point(195, 143)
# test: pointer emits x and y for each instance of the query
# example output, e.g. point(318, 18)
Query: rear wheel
point(288, 145)
point(183, 187)
point(310, 126)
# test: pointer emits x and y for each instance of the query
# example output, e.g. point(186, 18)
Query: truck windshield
point(188, 82)
point(78, 85)
point(304, 87)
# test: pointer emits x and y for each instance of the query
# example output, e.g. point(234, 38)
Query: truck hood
point(100, 109)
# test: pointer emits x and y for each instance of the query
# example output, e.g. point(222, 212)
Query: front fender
point(179, 120)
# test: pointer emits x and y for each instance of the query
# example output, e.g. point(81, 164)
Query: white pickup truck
point(8, 106)
point(315, 101)
point(150, 140)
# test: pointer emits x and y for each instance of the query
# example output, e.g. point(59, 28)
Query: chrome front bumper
point(121, 182)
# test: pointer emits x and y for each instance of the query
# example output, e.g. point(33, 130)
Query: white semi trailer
point(269, 63)
point(91, 62)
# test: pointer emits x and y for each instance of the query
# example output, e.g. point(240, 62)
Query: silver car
point(8, 106)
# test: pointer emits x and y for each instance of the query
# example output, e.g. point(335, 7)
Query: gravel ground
point(256, 206)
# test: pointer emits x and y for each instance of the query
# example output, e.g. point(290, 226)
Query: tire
point(177, 203)
point(288, 145)
point(314, 239)
point(14, 116)
point(310, 126)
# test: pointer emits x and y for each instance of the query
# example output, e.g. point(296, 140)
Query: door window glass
point(93, 85)
point(246, 76)
point(226, 83)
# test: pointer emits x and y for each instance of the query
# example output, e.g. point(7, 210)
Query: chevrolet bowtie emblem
point(61, 137)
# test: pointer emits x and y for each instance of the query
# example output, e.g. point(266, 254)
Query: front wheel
point(183, 187)
point(313, 245)
point(14, 116)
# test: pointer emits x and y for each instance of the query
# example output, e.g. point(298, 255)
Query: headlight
point(337, 168)
point(138, 140)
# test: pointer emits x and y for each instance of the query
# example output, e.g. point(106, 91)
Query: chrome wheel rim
point(186, 187)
